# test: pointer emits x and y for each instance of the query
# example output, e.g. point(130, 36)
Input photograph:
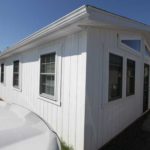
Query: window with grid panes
point(2, 73)
point(16, 74)
point(47, 75)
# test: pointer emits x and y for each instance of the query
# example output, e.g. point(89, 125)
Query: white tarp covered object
point(21, 129)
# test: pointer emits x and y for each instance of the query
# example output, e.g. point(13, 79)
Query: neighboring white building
point(84, 74)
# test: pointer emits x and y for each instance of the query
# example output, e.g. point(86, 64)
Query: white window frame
point(19, 87)
point(47, 49)
point(51, 97)
point(125, 47)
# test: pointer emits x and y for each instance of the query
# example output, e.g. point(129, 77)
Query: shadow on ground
point(135, 137)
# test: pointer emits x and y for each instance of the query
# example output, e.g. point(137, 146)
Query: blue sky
point(20, 18)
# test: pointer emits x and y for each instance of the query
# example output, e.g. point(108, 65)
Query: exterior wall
point(66, 116)
point(104, 119)
point(82, 115)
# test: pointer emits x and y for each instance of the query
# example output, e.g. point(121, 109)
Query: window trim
point(117, 97)
point(131, 94)
point(17, 88)
point(45, 96)
point(46, 49)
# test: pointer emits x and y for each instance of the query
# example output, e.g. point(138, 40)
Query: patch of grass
point(64, 146)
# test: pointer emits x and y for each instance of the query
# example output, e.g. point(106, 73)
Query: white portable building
point(86, 74)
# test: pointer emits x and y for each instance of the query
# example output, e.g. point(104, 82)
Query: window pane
point(16, 74)
point(48, 68)
point(115, 77)
point(15, 80)
point(48, 63)
point(16, 66)
point(48, 58)
point(130, 87)
point(47, 84)
point(135, 44)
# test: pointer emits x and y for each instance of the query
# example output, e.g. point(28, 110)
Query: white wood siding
point(82, 115)
point(104, 119)
point(67, 116)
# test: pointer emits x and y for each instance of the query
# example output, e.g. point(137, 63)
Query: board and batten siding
point(103, 119)
point(66, 116)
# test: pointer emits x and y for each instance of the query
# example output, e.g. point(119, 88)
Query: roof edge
point(116, 15)
point(62, 22)
point(85, 11)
